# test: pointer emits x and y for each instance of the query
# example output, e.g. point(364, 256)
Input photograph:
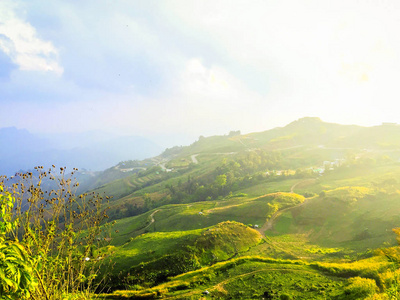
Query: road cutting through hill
point(311, 180)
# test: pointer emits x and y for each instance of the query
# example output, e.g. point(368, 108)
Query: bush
point(360, 288)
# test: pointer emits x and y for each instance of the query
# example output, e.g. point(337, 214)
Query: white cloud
point(203, 101)
point(330, 59)
point(209, 100)
point(20, 41)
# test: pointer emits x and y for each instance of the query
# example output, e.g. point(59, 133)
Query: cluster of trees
point(231, 175)
point(245, 170)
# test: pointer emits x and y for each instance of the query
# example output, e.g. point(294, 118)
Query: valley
point(300, 212)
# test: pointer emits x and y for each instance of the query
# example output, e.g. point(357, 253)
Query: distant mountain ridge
point(305, 131)
point(22, 150)
point(308, 131)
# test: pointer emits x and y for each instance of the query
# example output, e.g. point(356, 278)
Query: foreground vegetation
point(48, 239)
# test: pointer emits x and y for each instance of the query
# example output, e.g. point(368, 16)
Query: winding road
point(142, 230)
point(311, 180)
point(152, 218)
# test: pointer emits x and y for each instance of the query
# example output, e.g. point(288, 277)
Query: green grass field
point(255, 277)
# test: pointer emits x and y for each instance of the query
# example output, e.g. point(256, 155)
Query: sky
point(189, 68)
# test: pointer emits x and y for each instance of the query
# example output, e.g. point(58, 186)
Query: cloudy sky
point(193, 68)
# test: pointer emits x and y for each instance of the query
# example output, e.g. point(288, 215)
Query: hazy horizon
point(71, 140)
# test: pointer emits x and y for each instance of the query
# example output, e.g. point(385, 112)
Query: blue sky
point(191, 68)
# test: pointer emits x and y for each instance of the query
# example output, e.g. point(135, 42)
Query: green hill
point(355, 218)
point(304, 143)
point(151, 258)
point(260, 278)
point(316, 198)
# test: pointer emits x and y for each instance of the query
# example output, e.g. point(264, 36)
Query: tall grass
point(58, 231)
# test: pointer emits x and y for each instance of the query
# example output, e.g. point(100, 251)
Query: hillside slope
point(152, 257)
point(305, 143)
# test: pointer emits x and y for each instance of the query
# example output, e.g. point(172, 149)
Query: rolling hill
point(299, 212)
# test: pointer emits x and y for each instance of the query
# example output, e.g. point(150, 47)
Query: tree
point(148, 203)
point(233, 133)
point(220, 180)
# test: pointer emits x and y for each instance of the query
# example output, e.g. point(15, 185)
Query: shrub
point(55, 232)
point(360, 288)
